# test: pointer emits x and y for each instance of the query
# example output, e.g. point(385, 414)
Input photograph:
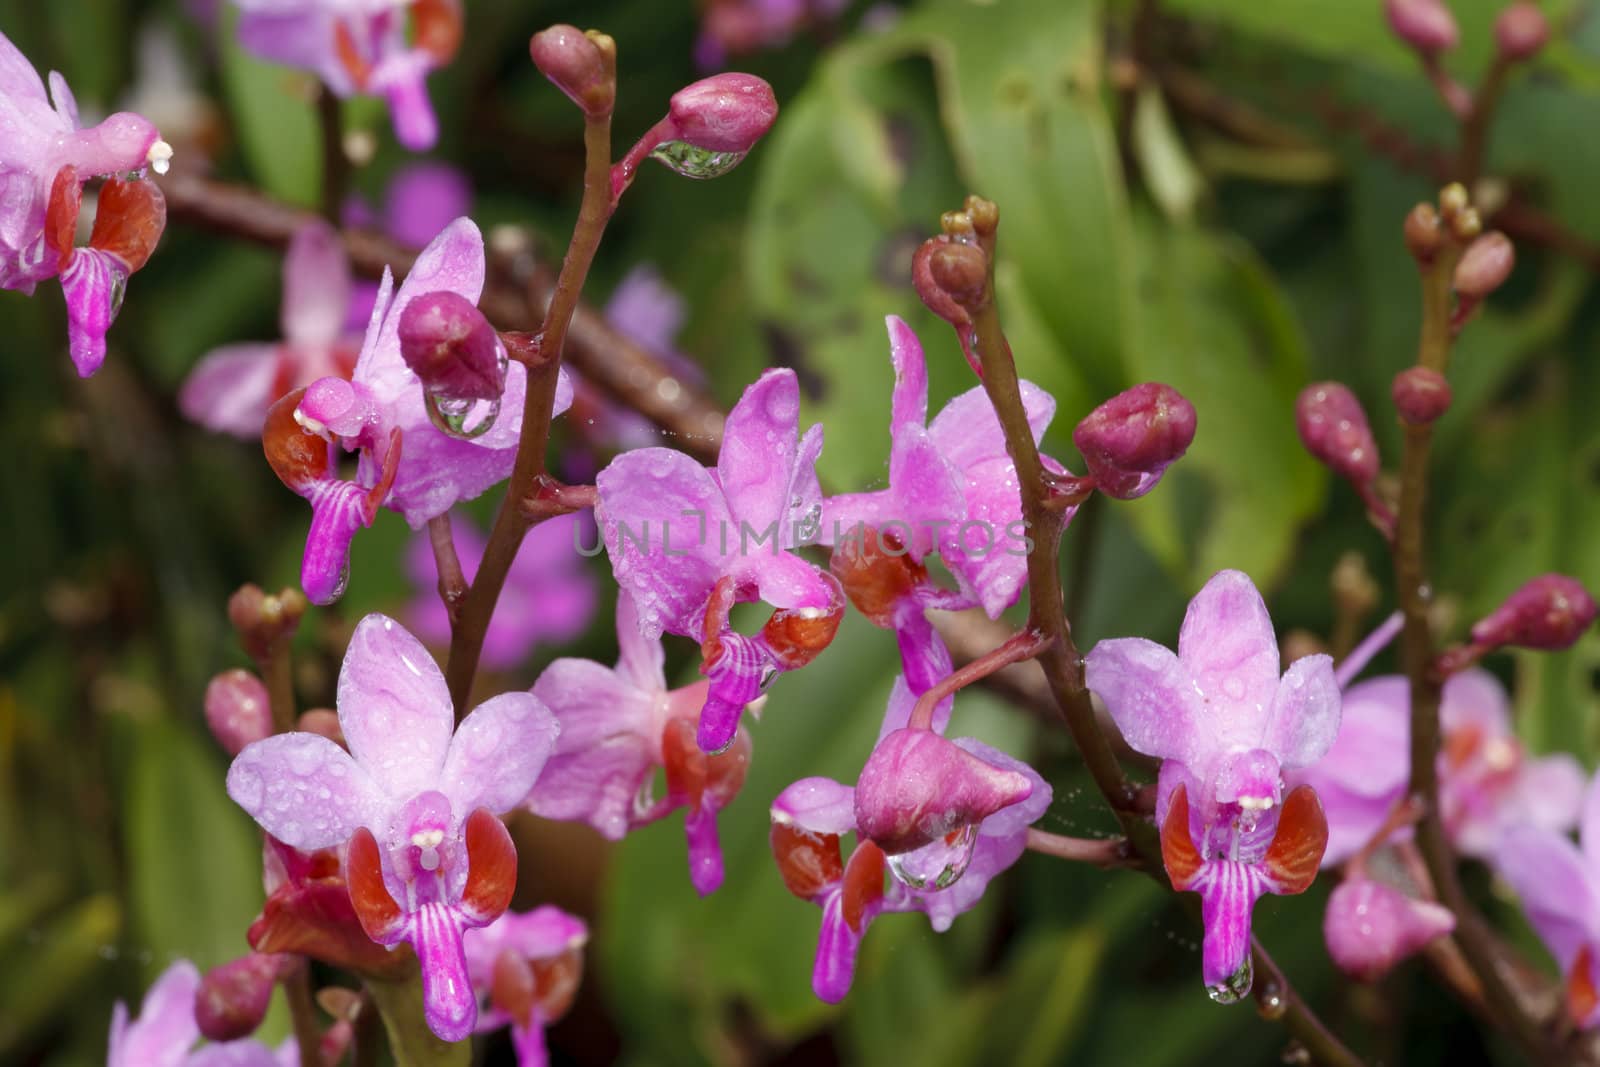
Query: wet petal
point(641, 661)
point(819, 805)
point(760, 444)
point(1150, 695)
point(910, 403)
point(1016, 818)
point(1228, 646)
point(394, 707)
point(165, 1030)
point(498, 752)
point(1304, 720)
point(448, 1002)
point(305, 790)
point(705, 852)
point(93, 284)
point(968, 432)
point(837, 946)
point(1228, 893)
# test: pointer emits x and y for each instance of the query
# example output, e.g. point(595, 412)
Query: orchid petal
point(817, 805)
point(1556, 886)
point(705, 853)
point(497, 753)
point(910, 402)
point(760, 446)
point(316, 286)
point(165, 1030)
point(305, 790)
point(394, 707)
point(230, 389)
point(1304, 720)
point(1149, 694)
point(448, 1003)
point(93, 283)
point(1229, 648)
point(837, 946)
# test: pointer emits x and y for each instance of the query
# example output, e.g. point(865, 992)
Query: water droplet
point(1233, 987)
point(119, 289)
point(247, 787)
point(693, 162)
point(482, 742)
point(464, 419)
point(1271, 1002)
point(939, 865)
point(304, 759)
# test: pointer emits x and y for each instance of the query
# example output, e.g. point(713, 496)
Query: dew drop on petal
point(1235, 986)
point(461, 418)
point(939, 865)
point(692, 162)
point(247, 787)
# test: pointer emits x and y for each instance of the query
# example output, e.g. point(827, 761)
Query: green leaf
point(274, 118)
point(1219, 331)
point(194, 858)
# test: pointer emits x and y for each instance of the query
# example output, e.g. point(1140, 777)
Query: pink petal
point(605, 752)
point(784, 579)
point(66, 105)
point(910, 401)
point(19, 82)
point(448, 1003)
point(664, 519)
point(1228, 646)
point(705, 853)
point(316, 286)
point(760, 447)
point(1018, 817)
point(539, 934)
point(1228, 894)
point(1589, 829)
point(968, 432)
point(422, 199)
point(498, 752)
point(305, 790)
point(300, 38)
point(820, 805)
point(230, 389)
point(986, 546)
point(1150, 695)
point(991, 857)
point(646, 308)
point(1557, 889)
point(1304, 720)
point(1549, 792)
point(394, 708)
point(928, 494)
point(641, 661)
point(1475, 698)
point(165, 1030)
point(837, 946)
point(402, 79)
point(897, 716)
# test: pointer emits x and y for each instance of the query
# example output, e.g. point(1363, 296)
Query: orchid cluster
point(386, 849)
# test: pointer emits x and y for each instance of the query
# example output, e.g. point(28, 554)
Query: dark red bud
point(1421, 394)
point(1484, 266)
point(931, 292)
point(232, 999)
point(1549, 612)
point(1426, 25)
point(581, 65)
point(451, 347)
point(724, 113)
point(1128, 441)
point(238, 710)
point(1520, 31)
point(1334, 429)
point(961, 271)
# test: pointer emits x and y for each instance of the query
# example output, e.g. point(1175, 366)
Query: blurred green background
point(1205, 192)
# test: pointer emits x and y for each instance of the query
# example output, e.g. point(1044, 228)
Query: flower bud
point(581, 66)
point(1423, 235)
point(1128, 441)
point(917, 787)
point(1484, 266)
point(323, 722)
point(232, 999)
point(1421, 395)
point(238, 710)
point(931, 291)
point(1370, 927)
point(1426, 25)
point(262, 620)
point(451, 347)
point(1520, 31)
point(723, 113)
point(1549, 612)
point(960, 270)
point(1334, 429)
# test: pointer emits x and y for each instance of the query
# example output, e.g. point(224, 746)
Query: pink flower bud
point(949, 276)
point(322, 721)
point(451, 347)
point(917, 787)
point(1549, 612)
point(1426, 25)
point(233, 998)
point(1128, 441)
point(579, 65)
point(1520, 31)
point(1370, 927)
point(723, 113)
point(1334, 429)
point(1423, 235)
point(237, 710)
point(1421, 394)
point(1484, 266)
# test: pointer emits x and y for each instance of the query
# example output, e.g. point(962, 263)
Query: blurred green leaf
point(1220, 332)
point(194, 858)
point(44, 977)
point(274, 119)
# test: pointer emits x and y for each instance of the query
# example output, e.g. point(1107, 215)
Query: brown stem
point(303, 1015)
point(1475, 123)
point(1021, 646)
point(607, 359)
point(335, 164)
point(510, 524)
point(1277, 999)
point(1418, 653)
point(452, 582)
point(1104, 852)
point(366, 1043)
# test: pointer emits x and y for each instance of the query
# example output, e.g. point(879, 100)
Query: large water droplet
point(693, 162)
point(939, 865)
point(1233, 987)
point(463, 418)
point(119, 289)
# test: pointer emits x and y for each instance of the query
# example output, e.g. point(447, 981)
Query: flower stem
point(1105, 852)
point(335, 164)
point(303, 1014)
point(1475, 123)
point(1278, 1000)
point(511, 524)
point(1418, 653)
point(1022, 646)
point(452, 582)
